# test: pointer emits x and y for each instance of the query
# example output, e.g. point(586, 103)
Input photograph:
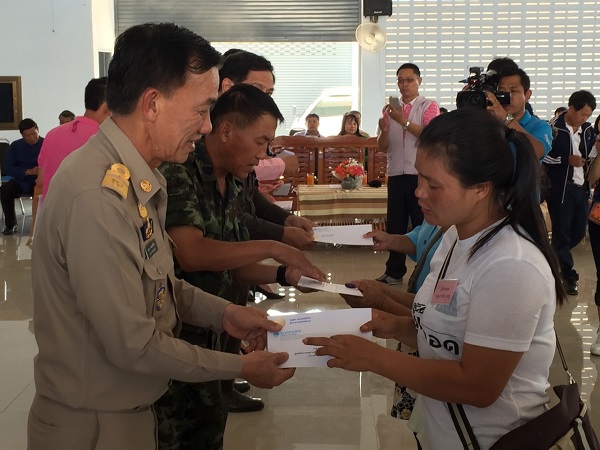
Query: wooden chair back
point(333, 150)
point(305, 149)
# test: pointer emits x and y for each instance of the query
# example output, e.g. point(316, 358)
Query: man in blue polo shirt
point(515, 116)
point(20, 163)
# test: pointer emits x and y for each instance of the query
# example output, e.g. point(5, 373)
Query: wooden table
point(328, 205)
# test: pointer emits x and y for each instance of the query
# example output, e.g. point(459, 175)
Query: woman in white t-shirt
point(483, 319)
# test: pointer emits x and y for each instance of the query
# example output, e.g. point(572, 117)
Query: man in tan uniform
point(107, 305)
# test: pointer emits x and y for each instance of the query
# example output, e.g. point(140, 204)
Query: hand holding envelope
point(264, 370)
point(351, 352)
point(344, 234)
point(260, 368)
point(300, 326)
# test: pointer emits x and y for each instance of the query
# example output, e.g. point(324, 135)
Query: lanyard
point(444, 268)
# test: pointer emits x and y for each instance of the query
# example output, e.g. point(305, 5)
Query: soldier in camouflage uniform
point(202, 218)
point(265, 220)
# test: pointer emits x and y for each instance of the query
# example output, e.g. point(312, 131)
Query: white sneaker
point(595, 348)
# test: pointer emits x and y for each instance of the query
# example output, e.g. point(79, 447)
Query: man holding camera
point(516, 82)
point(399, 129)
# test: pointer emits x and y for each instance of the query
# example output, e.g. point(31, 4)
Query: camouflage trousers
point(191, 417)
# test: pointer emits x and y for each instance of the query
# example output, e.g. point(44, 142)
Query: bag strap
point(563, 360)
point(412, 281)
point(461, 421)
point(463, 427)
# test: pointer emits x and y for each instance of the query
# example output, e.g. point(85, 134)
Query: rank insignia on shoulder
point(117, 179)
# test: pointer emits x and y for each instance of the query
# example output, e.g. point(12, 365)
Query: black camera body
point(479, 83)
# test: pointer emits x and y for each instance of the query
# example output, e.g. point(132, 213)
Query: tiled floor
point(318, 409)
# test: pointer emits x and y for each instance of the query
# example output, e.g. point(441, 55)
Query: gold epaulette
point(117, 179)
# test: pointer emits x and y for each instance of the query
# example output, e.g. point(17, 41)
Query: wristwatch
point(509, 118)
point(405, 126)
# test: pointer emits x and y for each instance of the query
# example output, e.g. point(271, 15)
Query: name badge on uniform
point(151, 248)
point(444, 291)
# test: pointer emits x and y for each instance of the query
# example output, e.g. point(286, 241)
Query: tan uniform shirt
point(105, 315)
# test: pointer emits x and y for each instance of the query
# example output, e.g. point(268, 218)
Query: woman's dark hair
point(347, 117)
point(154, 55)
point(477, 148)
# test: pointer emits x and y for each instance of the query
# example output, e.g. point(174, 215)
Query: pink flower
point(349, 168)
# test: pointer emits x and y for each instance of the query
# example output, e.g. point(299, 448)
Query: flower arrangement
point(349, 168)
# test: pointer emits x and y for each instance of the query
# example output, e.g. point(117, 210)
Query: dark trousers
point(569, 219)
point(9, 191)
point(402, 205)
point(230, 344)
point(594, 231)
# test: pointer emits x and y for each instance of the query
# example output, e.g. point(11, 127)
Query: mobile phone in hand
point(394, 102)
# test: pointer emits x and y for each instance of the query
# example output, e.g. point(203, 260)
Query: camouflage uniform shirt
point(195, 200)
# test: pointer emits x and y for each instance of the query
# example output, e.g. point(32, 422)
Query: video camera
point(479, 82)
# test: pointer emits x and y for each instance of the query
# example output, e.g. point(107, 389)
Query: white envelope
point(321, 324)
point(344, 234)
point(311, 283)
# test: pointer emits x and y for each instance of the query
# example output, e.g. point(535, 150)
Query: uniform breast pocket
point(156, 286)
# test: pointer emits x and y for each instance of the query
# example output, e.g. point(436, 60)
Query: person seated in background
point(350, 126)
point(65, 117)
point(21, 164)
point(312, 126)
point(63, 140)
point(359, 118)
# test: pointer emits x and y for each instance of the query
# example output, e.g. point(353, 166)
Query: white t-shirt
point(505, 299)
point(578, 175)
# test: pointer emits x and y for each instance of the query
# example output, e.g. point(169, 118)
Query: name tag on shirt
point(151, 248)
point(444, 291)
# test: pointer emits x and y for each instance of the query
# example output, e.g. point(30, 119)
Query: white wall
point(372, 85)
point(53, 46)
point(103, 15)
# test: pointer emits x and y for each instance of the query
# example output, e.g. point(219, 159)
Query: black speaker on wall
point(377, 8)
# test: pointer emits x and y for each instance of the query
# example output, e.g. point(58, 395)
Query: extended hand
point(383, 324)
point(249, 324)
point(299, 238)
point(371, 295)
point(349, 352)
point(299, 222)
point(290, 256)
point(261, 369)
point(381, 239)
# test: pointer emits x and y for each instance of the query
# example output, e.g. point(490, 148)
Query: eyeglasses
point(405, 80)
